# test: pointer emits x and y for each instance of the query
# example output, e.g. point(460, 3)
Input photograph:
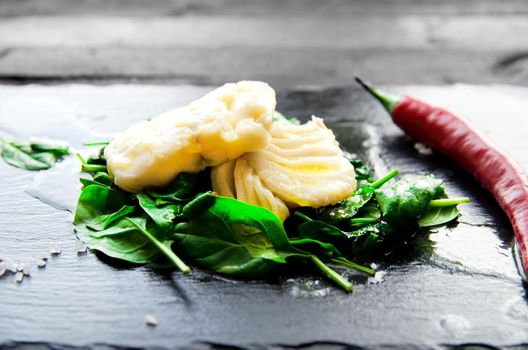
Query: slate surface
point(465, 290)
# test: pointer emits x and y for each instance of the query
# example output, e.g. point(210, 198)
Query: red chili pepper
point(459, 140)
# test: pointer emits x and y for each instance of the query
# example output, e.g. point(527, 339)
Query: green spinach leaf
point(181, 189)
point(36, 155)
point(438, 216)
point(404, 201)
point(278, 117)
point(102, 222)
point(233, 237)
point(163, 215)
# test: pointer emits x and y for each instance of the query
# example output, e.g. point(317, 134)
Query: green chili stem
point(302, 216)
point(334, 276)
point(353, 265)
point(93, 168)
point(164, 249)
point(448, 202)
point(354, 221)
point(387, 100)
point(377, 184)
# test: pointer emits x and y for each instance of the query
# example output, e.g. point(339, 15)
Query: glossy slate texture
point(463, 289)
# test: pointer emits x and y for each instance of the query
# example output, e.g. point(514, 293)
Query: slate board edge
point(204, 345)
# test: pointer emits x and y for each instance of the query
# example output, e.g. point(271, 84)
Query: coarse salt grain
point(81, 247)
point(151, 320)
point(26, 270)
point(423, 149)
point(3, 268)
point(19, 276)
point(43, 256)
point(41, 263)
point(11, 266)
point(55, 249)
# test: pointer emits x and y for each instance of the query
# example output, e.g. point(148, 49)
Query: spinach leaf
point(278, 117)
point(181, 189)
point(163, 215)
point(404, 201)
point(36, 155)
point(328, 250)
point(361, 168)
point(102, 222)
point(317, 247)
point(233, 237)
point(370, 239)
point(348, 208)
point(322, 231)
point(438, 216)
point(370, 210)
point(99, 178)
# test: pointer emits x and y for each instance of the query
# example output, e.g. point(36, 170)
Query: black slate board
point(464, 290)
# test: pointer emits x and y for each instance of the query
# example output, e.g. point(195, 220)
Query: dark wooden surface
point(462, 290)
point(285, 42)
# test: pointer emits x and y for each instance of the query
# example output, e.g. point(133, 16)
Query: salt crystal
point(41, 263)
point(423, 149)
point(55, 249)
point(81, 247)
point(43, 256)
point(3, 268)
point(19, 276)
point(20, 266)
point(26, 270)
point(11, 266)
point(151, 320)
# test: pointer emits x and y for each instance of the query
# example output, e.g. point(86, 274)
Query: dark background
point(284, 42)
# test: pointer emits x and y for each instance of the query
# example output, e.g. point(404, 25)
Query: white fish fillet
point(221, 126)
point(302, 165)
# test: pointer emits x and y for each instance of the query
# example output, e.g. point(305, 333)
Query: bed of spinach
point(185, 219)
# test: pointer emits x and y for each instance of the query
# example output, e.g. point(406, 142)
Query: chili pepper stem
point(387, 100)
